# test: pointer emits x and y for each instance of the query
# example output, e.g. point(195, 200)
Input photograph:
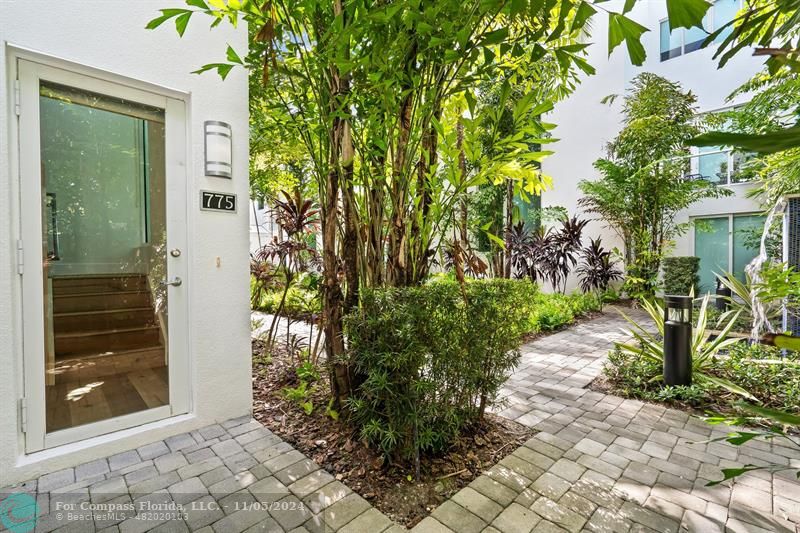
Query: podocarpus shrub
point(681, 274)
point(433, 358)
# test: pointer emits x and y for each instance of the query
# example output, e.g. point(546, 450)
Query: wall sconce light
point(219, 148)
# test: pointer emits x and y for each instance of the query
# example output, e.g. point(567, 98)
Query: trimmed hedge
point(681, 274)
point(433, 359)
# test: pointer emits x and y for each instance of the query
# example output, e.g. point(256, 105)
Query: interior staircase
point(104, 326)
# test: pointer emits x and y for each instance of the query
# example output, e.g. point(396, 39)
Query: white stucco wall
point(110, 35)
point(585, 125)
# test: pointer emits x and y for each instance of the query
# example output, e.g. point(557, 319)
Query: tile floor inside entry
point(599, 463)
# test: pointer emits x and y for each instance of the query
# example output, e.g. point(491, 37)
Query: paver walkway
point(225, 478)
point(601, 463)
point(598, 463)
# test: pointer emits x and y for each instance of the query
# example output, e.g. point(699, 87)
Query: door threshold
point(108, 439)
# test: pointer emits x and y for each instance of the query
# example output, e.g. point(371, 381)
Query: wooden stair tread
point(112, 353)
point(103, 332)
point(103, 311)
point(103, 293)
point(109, 316)
point(101, 276)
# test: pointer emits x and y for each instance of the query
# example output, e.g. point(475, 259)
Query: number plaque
point(217, 201)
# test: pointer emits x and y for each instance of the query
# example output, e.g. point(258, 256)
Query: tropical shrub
point(770, 375)
point(553, 311)
point(681, 274)
point(299, 302)
point(549, 255)
point(597, 269)
point(549, 314)
point(432, 358)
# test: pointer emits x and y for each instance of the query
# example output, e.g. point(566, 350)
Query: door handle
point(177, 282)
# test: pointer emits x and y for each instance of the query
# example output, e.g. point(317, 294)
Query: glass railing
point(720, 167)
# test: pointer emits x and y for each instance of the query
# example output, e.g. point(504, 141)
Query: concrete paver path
point(599, 463)
point(602, 463)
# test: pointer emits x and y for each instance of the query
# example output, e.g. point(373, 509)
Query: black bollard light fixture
point(677, 340)
point(723, 299)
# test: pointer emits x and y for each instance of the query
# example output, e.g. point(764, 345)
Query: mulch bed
point(335, 446)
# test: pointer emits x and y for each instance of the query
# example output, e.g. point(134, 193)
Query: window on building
point(674, 43)
point(671, 42)
point(723, 12)
point(726, 243)
point(528, 210)
point(719, 165)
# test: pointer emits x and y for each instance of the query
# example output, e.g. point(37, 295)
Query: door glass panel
point(711, 246)
point(747, 230)
point(104, 243)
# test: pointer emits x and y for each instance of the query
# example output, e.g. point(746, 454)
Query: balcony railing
point(720, 167)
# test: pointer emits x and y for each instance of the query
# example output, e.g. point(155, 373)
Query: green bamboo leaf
point(232, 56)
point(582, 15)
point(166, 14)
point(731, 473)
point(621, 28)
point(182, 21)
point(766, 143)
point(686, 13)
point(494, 238)
point(495, 37)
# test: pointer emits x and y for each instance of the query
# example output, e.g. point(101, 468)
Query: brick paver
point(598, 463)
point(215, 477)
point(624, 465)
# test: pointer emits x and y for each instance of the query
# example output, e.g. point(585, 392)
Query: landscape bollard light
point(677, 340)
point(722, 301)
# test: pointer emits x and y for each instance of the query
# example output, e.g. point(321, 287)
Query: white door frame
point(30, 69)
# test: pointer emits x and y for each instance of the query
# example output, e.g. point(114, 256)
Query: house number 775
point(217, 201)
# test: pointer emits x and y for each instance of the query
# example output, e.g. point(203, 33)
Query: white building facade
point(123, 280)
point(585, 125)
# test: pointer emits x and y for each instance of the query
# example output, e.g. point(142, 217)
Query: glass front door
point(104, 256)
point(107, 284)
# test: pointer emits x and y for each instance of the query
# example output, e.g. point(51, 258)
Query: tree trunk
point(332, 292)
point(462, 169)
point(350, 238)
point(397, 261)
point(508, 226)
point(420, 233)
point(375, 245)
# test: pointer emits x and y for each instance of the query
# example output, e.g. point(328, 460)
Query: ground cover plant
point(302, 299)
